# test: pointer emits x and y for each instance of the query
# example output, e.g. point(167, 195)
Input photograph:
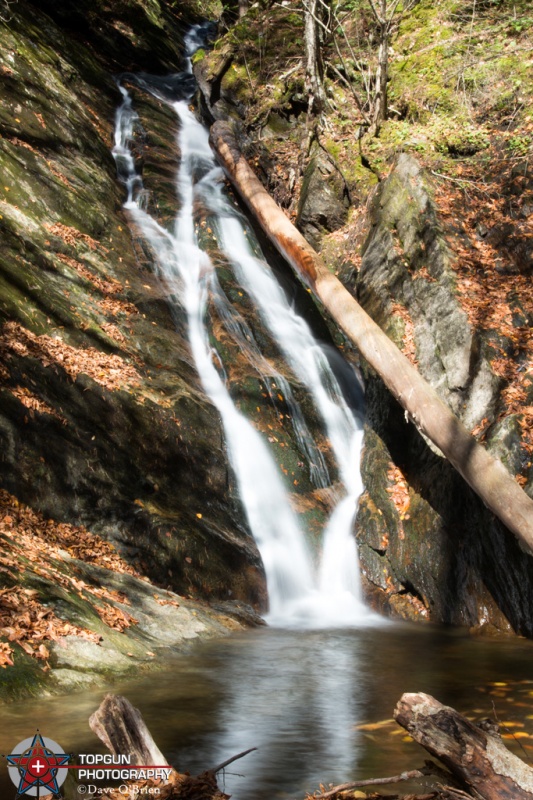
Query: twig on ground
point(344, 787)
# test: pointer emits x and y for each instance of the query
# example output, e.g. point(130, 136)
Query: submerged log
point(478, 759)
point(485, 474)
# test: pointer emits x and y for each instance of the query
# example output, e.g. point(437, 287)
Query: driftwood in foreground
point(486, 475)
point(121, 728)
point(477, 759)
point(478, 765)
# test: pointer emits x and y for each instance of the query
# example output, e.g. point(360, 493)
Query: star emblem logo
point(35, 766)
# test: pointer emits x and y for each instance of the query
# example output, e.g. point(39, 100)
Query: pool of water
point(316, 704)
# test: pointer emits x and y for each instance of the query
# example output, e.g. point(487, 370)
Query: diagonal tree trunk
point(485, 474)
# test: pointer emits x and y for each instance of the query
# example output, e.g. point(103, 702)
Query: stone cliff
point(436, 248)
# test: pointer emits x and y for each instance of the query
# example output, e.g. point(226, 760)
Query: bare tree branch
point(352, 55)
point(350, 86)
point(344, 787)
point(375, 12)
point(229, 761)
point(6, 11)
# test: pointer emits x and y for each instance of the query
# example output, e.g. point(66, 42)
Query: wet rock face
point(103, 421)
point(428, 547)
point(162, 624)
point(142, 35)
point(102, 418)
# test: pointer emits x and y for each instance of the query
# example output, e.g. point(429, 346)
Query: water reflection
point(297, 697)
point(296, 704)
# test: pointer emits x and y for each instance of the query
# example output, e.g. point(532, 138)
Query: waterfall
point(299, 593)
point(339, 574)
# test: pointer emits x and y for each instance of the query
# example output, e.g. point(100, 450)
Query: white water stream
point(299, 592)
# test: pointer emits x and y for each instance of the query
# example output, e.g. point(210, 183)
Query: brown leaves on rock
point(38, 535)
point(115, 618)
point(109, 304)
point(399, 491)
point(25, 621)
point(72, 235)
point(98, 122)
point(408, 338)
point(5, 655)
point(25, 536)
point(110, 371)
point(490, 241)
point(105, 285)
point(34, 403)
point(114, 306)
point(162, 602)
point(114, 333)
point(14, 140)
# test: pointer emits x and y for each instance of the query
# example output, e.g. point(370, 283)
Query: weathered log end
point(478, 759)
point(121, 728)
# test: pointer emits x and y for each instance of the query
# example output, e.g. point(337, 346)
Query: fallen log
point(485, 474)
point(120, 726)
point(476, 758)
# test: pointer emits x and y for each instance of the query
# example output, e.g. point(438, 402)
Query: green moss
point(262, 44)
point(25, 679)
point(238, 81)
point(198, 56)
point(465, 142)
point(420, 85)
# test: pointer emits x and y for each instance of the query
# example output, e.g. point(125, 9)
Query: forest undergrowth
point(459, 92)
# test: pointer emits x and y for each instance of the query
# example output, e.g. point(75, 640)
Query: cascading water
point(243, 336)
point(338, 575)
point(298, 594)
